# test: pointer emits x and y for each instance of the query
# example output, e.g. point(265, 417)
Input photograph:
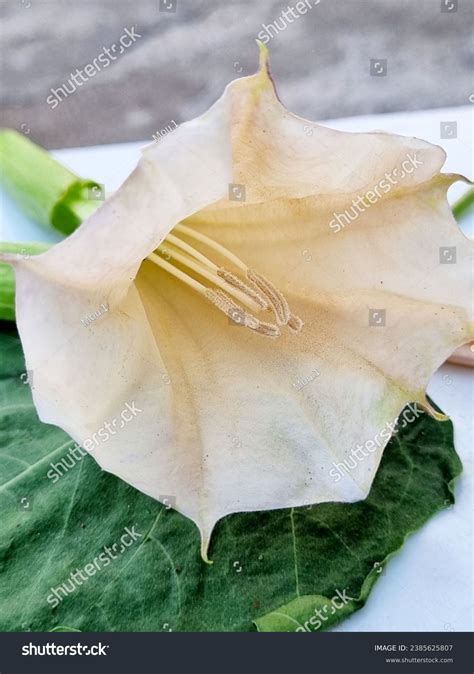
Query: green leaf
point(63, 628)
point(270, 569)
point(7, 292)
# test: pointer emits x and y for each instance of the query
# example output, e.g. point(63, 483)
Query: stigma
point(240, 294)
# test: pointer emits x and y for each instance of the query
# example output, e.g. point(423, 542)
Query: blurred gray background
point(185, 57)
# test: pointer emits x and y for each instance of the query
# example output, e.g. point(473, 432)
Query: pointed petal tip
point(429, 409)
point(204, 550)
point(263, 74)
point(263, 53)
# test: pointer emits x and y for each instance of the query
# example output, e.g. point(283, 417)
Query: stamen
point(191, 251)
point(277, 300)
point(210, 276)
point(177, 273)
point(227, 286)
point(295, 324)
point(266, 329)
point(234, 311)
point(211, 244)
point(238, 283)
point(223, 302)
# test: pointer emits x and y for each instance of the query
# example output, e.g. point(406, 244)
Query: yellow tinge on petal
point(253, 290)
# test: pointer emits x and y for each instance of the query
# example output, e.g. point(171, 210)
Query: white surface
point(429, 584)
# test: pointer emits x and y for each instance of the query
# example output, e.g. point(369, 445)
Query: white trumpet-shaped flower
point(276, 292)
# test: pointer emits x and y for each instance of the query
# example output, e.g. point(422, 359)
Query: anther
point(235, 281)
point(258, 294)
point(277, 301)
point(223, 302)
point(295, 323)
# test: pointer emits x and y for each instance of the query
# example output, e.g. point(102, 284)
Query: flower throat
point(230, 292)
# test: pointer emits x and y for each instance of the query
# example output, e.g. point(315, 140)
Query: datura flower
point(266, 292)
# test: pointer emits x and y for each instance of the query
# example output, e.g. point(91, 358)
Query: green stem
point(463, 204)
point(7, 276)
point(45, 190)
